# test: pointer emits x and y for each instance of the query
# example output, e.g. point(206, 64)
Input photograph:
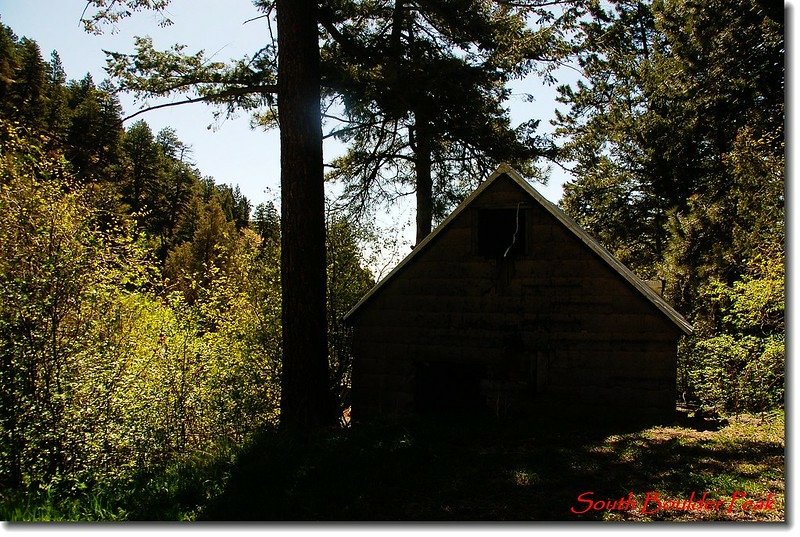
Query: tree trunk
point(305, 399)
point(424, 178)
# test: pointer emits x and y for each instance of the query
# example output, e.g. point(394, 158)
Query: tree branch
point(272, 88)
point(346, 42)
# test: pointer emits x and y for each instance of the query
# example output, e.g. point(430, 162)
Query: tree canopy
point(423, 86)
point(676, 133)
point(417, 92)
point(140, 322)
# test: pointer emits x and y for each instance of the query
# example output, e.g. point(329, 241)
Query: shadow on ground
point(453, 469)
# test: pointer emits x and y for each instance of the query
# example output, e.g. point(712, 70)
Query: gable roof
point(559, 215)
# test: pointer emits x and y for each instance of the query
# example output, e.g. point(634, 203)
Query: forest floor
point(486, 470)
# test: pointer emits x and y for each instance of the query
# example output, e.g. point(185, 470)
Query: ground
point(489, 470)
point(463, 469)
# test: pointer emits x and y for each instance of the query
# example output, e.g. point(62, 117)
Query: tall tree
point(30, 85)
point(612, 130)
point(729, 58)
point(305, 398)
point(8, 65)
point(668, 88)
point(94, 138)
point(423, 85)
point(676, 133)
point(58, 113)
point(249, 83)
point(267, 222)
point(147, 168)
point(433, 73)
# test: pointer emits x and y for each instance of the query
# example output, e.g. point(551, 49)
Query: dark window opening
point(501, 232)
point(448, 387)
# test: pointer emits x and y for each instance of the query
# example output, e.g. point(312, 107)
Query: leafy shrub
point(740, 365)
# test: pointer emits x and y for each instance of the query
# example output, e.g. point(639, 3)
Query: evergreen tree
point(623, 142)
point(235, 205)
point(423, 85)
point(267, 222)
point(677, 138)
point(192, 266)
point(172, 146)
point(29, 90)
point(8, 66)
point(58, 113)
point(145, 184)
point(668, 90)
point(730, 66)
point(94, 139)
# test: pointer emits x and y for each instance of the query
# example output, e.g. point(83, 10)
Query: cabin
point(510, 307)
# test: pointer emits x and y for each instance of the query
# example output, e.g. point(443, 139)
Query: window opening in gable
point(501, 232)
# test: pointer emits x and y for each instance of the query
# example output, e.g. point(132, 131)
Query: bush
point(738, 364)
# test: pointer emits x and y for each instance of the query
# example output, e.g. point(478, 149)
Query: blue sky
point(230, 151)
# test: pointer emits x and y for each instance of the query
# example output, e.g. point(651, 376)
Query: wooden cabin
point(509, 307)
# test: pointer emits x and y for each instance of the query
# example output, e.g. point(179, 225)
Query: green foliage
point(60, 273)
point(102, 378)
point(676, 134)
point(738, 365)
point(140, 314)
point(668, 97)
point(207, 254)
point(348, 281)
point(93, 138)
point(247, 84)
point(423, 86)
point(718, 233)
point(241, 311)
point(622, 135)
point(134, 170)
point(140, 320)
point(111, 12)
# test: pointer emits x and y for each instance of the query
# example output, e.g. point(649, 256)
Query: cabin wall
point(554, 327)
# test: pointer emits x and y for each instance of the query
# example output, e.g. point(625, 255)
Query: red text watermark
point(652, 502)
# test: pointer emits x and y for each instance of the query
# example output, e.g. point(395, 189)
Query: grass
point(175, 492)
point(47, 508)
point(453, 469)
point(490, 470)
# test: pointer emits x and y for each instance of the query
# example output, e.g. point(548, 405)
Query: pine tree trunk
point(305, 399)
point(423, 176)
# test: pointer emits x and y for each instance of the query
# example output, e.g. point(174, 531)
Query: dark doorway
point(448, 387)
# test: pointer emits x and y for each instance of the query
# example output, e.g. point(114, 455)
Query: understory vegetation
point(459, 469)
point(139, 301)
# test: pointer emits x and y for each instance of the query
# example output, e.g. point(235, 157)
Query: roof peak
point(505, 169)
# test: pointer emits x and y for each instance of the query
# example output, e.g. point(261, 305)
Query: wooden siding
point(554, 325)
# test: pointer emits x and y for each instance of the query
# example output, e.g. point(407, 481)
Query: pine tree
point(94, 139)
point(58, 114)
point(668, 90)
point(305, 398)
point(423, 86)
point(267, 223)
point(145, 184)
